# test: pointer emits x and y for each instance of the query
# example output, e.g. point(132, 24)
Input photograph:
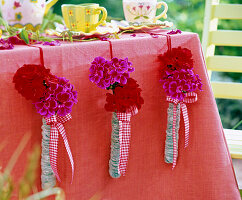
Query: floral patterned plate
point(124, 25)
point(108, 29)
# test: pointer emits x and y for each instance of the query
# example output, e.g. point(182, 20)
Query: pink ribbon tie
point(191, 97)
point(56, 122)
point(124, 138)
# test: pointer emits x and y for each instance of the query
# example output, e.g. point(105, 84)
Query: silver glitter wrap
point(115, 148)
point(169, 136)
point(47, 176)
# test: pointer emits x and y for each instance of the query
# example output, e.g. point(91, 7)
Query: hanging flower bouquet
point(53, 98)
point(180, 84)
point(125, 102)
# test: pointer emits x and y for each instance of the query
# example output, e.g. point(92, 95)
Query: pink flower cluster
point(58, 99)
point(105, 73)
point(5, 44)
point(177, 83)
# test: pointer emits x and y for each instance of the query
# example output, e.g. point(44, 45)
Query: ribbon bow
point(124, 138)
point(56, 122)
point(191, 97)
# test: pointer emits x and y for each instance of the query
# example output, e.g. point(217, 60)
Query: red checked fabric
point(124, 138)
point(56, 123)
point(191, 97)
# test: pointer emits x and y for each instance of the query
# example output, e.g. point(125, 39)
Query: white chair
point(213, 37)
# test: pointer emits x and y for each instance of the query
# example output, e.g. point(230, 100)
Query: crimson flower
point(179, 58)
point(16, 40)
point(31, 81)
point(124, 97)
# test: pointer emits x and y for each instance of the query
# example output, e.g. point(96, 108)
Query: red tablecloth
point(204, 169)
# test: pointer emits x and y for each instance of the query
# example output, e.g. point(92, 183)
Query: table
point(204, 169)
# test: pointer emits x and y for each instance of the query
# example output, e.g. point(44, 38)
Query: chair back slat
point(226, 38)
point(224, 63)
point(227, 90)
point(227, 11)
point(213, 37)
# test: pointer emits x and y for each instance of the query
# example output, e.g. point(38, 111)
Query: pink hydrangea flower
point(58, 99)
point(177, 83)
point(46, 107)
point(105, 73)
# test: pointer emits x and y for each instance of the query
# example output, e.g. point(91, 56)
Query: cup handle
point(163, 14)
point(49, 4)
point(105, 14)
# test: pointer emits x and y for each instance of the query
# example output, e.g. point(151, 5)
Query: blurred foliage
point(50, 19)
point(27, 182)
point(230, 111)
point(29, 178)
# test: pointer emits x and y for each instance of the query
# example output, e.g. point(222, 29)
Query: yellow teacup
point(83, 17)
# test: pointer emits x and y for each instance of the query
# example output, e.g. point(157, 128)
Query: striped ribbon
point(56, 123)
point(191, 97)
point(124, 138)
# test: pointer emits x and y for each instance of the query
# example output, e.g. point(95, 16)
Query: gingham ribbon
point(56, 122)
point(191, 97)
point(124, 138)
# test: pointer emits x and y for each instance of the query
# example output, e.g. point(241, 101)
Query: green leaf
point(60, 195)
point(58, 19)
point(24, 36)
point(70, 35)
point(137, 17)
point(146, 17)
point(46, 39)
point(44, 25)
point(4, 23)
point(237, 125)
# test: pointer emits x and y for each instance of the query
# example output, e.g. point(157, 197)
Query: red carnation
point(124, 97)
point(31, 81)
point(178, 58)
